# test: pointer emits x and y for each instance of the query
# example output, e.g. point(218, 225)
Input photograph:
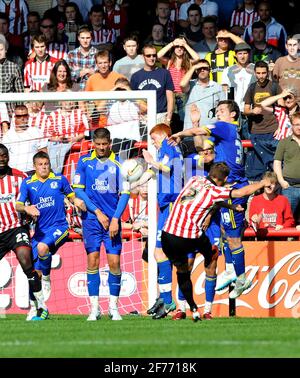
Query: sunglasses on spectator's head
point(288, 97)
point(178, 46)
point(47, 26)
point(150, 55)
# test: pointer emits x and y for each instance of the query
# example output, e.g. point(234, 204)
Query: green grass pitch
point(135, 336)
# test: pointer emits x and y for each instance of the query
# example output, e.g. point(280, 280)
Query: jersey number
point(239, 152)
point(22, 237)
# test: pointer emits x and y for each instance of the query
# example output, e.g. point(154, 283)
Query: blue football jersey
point(228, 147)
point(169, 183)
point(101, 180)
point(48, 197)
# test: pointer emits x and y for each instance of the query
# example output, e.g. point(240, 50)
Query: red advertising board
point(272, 266)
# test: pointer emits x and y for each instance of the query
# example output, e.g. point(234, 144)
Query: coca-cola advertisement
point(273, 267)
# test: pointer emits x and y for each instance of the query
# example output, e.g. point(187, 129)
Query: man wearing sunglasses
point(23, 141)
point(159, 79)
point(202, 92)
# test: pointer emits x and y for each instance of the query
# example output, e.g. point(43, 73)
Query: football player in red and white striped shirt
point(183, 232)
point(37, 70)
point(14, 234)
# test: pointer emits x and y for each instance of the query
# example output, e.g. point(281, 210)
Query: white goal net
point(64, 122)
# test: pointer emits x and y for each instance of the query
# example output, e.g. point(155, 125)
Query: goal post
point(111, 97)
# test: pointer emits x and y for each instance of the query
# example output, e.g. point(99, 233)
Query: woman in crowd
point(182, 57)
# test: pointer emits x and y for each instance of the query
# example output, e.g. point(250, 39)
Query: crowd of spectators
point(195, 52)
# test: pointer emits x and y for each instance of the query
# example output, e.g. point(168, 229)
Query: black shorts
point(11, 240)
point(177, 248)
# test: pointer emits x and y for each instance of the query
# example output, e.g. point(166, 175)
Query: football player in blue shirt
point(228, 148)
point(169, 172)
point(45, 192)
point(98, 182)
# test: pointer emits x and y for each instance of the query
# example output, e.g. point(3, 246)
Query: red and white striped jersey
point(9, 190)
point(192, 206)
point(284, 122)
point(17, 11)
point(103, 36)
point(67, 124)
point(116, 19)
point(243, 18)
point(58, 50)
point(37, 73)
point(39, 120)
point(138, 209)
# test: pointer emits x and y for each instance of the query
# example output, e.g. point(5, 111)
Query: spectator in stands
point(159, 79)
point(282, 113)
point(60, 81)
point(115, 17)
point(202, 92)
point(4, 118)
point(103, 37)
point(236, 80)
point(157, 39)
point(270, 209)
point(181, 60)
point(33, 27)
point(286, 164)
point(260, 48)
point(262, 124)
point(123, 121)
point(72, 24)
point(38, 69)
point(56, 40)
point(243, 16)
point(208, 8)
point(15, 51)
point(37, 115)
point(163, 17)
point(133, 61)
point(286, 67)
point(240, 75)
point(82, 59)
point(102, 80)
point(193, 32)
point(83, 5)
point(209, 42)
point(225, 9)
point(65, 126)
point(23, 141)
point(57, 13)
point(223, 56)
point(275, 32)
point(16, 11)
point(10, 75)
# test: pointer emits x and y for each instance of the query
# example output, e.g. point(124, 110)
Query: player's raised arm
point(248, 190)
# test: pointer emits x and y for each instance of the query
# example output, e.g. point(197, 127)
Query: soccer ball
point(132, 170)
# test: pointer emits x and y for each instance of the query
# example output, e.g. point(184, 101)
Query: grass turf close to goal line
point(65, 336)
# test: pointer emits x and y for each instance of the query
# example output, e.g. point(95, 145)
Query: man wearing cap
point(237, 78)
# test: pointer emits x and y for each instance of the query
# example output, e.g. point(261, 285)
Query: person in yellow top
point(224, 55)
